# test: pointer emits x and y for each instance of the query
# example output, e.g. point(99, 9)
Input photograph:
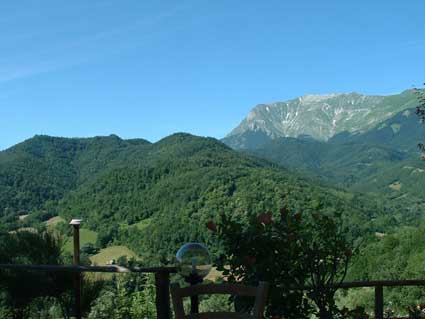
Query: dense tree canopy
point(155, 197)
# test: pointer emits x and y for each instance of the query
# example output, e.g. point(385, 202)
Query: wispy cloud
point(85, 48)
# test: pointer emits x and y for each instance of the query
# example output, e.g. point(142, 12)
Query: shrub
point(289, 251)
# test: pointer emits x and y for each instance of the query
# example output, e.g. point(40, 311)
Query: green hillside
point(183, 182)
point(384, 160)
point(153, 198)
point(37, 173)
point(86, 237)
point(178, 183)
point(147, 199)
point(393, 256)
point(111, 254)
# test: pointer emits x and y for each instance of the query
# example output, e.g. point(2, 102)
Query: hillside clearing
point(54, 221)
point(105, 255)
point(86, 236)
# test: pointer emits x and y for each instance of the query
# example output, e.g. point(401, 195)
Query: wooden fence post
point(379, 302)
point(77, 277)
point(162, 284)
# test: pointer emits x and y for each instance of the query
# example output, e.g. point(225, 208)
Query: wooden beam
point(77, 275)
point(162, 284)
point(379, 302)
point(73, 268)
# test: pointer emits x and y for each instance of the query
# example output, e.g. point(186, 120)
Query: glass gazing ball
point(193, 259)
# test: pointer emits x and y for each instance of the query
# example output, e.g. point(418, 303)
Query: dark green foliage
point(20, 288)
point(89, 249)
point(267, 248)
point(37, 173)
point(36, 294)
point(126, 296)
point(416, 311)
point(178, 183)
point(290, 251)
point(399, 255)
point(357, 313)
point(329, 253)
point(156, 197)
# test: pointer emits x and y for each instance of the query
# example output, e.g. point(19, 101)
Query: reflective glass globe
point(193, 259)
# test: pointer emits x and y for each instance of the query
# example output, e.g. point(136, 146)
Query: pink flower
point(212, 226)
point(265, 218)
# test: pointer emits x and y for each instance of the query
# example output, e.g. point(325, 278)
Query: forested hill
point(45, 168)
point(172, 187)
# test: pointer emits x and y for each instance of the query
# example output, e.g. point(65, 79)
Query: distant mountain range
point(318, 116)
point(361, 143)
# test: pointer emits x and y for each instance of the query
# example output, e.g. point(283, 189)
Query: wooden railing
point(379, 290)
point(162, 275)
point(162, 281)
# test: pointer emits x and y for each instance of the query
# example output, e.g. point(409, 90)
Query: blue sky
point(151, 68)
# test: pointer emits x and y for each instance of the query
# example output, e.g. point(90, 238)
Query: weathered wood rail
point(162, 280)
point(379, 290)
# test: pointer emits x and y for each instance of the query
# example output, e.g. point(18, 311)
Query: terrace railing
point(162, 283)
point(162, 279)
point(379, 290)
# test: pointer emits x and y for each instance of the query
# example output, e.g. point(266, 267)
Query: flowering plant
point(289, 251)
point(266, 248)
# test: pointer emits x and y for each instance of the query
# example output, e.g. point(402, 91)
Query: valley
point(144, 200)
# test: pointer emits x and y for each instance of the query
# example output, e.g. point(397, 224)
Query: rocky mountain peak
point(319, 116)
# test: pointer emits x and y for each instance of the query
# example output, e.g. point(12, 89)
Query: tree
point(266, 249)
point(89, 249)
point(130, 296)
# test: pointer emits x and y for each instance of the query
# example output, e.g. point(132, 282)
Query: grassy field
point(86, 236)
point(143, 224)
point(52, 222)
point(110, 253)
point(214, 275)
